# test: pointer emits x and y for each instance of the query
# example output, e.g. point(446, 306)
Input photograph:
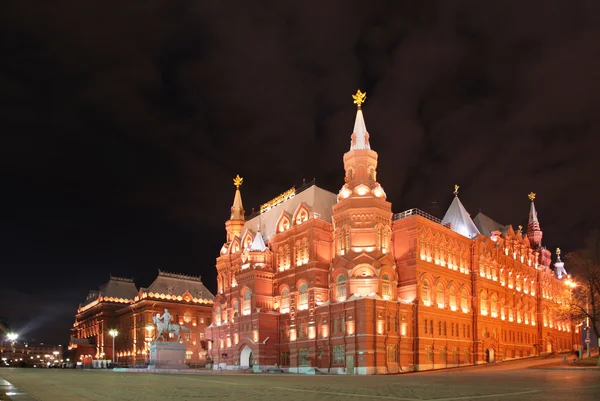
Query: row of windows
point(443, 355)
point(440, 297)
point(442, 329)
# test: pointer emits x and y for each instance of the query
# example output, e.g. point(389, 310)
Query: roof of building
point(119, 287)
point(486, 225)
point(318, 201)
point(178, 284)
point(459, 219)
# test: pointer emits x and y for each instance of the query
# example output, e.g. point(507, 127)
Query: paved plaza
point(505, 381)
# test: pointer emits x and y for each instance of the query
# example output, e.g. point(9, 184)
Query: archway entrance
point(246, 360)
point(489, 355)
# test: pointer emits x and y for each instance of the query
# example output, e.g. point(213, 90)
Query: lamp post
point(13, 337)
point(113, 333)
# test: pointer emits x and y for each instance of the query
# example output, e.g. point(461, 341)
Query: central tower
point(362, 222)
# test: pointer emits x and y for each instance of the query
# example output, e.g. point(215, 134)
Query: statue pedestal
point(167, 355)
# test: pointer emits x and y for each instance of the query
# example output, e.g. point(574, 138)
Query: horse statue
point(162, 327)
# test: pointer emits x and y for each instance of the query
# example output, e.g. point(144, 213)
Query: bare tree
point(584, 265)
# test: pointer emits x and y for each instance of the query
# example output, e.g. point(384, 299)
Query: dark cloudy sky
point(123, 123)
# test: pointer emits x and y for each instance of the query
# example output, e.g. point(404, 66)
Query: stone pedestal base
point(167, 355)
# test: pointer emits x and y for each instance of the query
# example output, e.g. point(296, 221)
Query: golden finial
point(531, 196)
point(520, 228)
point(237, 181)
point(456, 189)
point(359, 98)
point(558, 251)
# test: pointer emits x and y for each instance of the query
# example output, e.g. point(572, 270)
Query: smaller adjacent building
point(120, 305)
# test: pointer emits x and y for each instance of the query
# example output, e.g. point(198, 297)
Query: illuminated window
point(483, 303)
point(340, 291)
point(439, 295)
point(386, 287)
point(494, 305)
point(425, 293)
point(303, 299)
point(218, 315)
point(285, 301)
point(464, 301)
point(187, 317)
point(247, 305)
point(452, 299)
point(236, 307)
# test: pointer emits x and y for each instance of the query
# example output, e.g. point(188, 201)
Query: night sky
point(122, 125)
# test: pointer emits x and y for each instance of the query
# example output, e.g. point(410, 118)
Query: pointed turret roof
point(237, 210)
point(459, 219)
point(559, 266)
point(533, 217)
point(258, 244)
point(486, 225)
point(360, 136)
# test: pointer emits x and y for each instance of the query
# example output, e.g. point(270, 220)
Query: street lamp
point(113, 333)
point(12, 337)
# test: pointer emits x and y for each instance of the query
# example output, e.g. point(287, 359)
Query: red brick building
point(339, 283)
point(120, 305)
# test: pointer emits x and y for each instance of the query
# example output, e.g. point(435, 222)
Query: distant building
point(22, 353)
point(338, 283)
point(120, 305)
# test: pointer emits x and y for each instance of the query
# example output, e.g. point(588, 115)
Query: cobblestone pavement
point(505, 381)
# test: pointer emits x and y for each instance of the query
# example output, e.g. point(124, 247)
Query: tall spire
point(237, 210)
point(360, 136)
point(534, 233)
point(360, 163)
point(235, 224)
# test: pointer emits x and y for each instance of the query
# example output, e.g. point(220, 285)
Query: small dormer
point(284, 222)
point(235, 246)
point(301, 214)
point(247, 239)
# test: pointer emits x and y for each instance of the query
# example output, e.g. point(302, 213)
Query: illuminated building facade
point(120, 305)
point(340, 284)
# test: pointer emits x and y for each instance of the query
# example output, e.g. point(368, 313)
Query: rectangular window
point(339, 353)
point(303, 357)
point(425, 325)
point(186, 336)
point(429, 353)
point(392, 353)
point(285, 358)
point(201, 336)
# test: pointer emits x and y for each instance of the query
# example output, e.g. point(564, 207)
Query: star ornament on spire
point(237, 181)
point(558, 251)
point(359, 98)
point(531, 196)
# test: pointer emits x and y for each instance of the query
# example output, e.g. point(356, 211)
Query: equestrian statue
point(163, 325)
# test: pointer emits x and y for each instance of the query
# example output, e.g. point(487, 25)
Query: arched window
point(483, 303)
point(236, 308)
point(452, 300)
point(298, 252)
point(464, 301)
point(386, 287)
point(224, 314)
point(218, 315)
point(285, 301)
point(340, 290)
point(439, 295)
point(247, 305)
point(494, 305)
point(303, 301)
point(426, 293)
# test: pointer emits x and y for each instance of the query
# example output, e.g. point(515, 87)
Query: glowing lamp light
point(12, 336)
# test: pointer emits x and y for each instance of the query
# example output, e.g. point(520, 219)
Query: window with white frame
point(386, 287)
point(303, 297)
point(340, 290)
point(426, 293)
point(285, 301)
point(439, 295)
point(247, 303)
